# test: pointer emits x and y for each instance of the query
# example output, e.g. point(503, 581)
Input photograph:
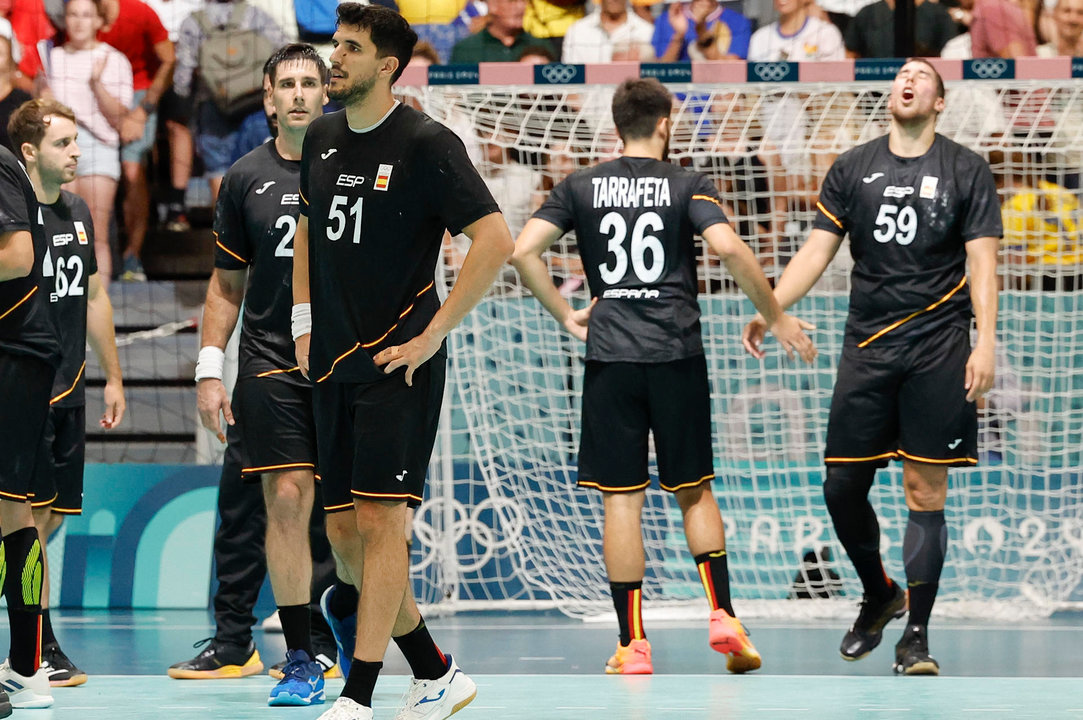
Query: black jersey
point(26, 327)
point(909, 220)
point(635, 221)
point(378, 201)
point(70, 260)
point(254, 224)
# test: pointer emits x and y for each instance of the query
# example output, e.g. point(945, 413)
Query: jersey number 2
point(896, 223)
point(614, 225)
point(285, 247)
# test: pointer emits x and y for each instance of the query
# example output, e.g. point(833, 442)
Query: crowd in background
point(147, 97)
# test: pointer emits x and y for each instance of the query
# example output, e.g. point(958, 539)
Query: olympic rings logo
point(494, 524)
point(558, 73)
point(771, 71)
point(989, 68)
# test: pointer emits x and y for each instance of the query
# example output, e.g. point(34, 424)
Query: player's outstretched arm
point(802, 272)
point(102, 336)
point(981, 255)
point(490, 248)
point(220, 311)
point(538, 236)
point(302, 294)
point(16, 254)
point(742, 265)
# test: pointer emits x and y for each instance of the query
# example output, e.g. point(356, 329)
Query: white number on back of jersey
point(613, 224)
point(64, 286)
point(285, 248)
point(895, 223)
point(338, 218)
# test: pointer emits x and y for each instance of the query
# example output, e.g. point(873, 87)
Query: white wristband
point(210, 363)
point(301, 319)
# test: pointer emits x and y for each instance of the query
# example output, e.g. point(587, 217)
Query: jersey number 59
point(896, 223)
point(614, 225)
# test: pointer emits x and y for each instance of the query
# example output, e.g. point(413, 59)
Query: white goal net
point(505, 524)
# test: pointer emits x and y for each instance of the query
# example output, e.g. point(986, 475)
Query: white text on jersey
point(346, 180)
point(625, 192)
point(266, 185)
point(630, 294)
point(897, 191)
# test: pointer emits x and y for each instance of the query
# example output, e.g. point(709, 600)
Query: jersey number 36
point(616, 227)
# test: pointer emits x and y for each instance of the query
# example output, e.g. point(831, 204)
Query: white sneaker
point(440, 698)
point(26, 692)
point(347, 709)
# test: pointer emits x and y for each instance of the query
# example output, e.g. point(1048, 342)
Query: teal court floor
point(542, 666)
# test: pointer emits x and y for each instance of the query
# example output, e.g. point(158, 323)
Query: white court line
point(540, 657)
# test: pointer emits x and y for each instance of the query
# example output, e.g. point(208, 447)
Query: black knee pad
point(848, 484)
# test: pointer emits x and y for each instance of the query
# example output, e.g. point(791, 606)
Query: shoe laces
point(417, 690)
point(298, 669)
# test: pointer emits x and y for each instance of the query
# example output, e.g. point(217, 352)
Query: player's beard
point(355, 93)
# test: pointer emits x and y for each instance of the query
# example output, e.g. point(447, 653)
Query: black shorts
point(26, 386)
point(58, 474)
point(275, 422)
point(622, 402)
point(904, 401)
point(375, 439)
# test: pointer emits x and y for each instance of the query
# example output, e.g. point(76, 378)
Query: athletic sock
point(426, 660)
point(361, 681)
point(846, 494)
point(924, 547)
point(297, 627)
point(47, 636)
point(715, 576)
point(344, 599)
point(22, 588)
point(628, 602)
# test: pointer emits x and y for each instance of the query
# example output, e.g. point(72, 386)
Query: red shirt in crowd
point(30, 24)
point(135, 33)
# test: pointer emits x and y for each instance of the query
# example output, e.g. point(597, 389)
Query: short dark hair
point(540, 51)
point(389, 31)
point(638, 104)
point(936, 73)
point(295, 51)
point(29, 122)
point(426, 50)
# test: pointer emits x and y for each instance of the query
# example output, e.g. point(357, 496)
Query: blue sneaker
point(344, 631)
point(301, 683)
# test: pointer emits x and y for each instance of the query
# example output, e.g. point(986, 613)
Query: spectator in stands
point(133, 28)
point(501, 40)
point(550, 19)
point(871, 34)
point(797, 36)
point(717, 33)
point(215, 133)
point(95, 81)
point(1001, 28)
point(537, 55)
point(608, 33)
point(30, 23)
point(840, 12)
point(1068, 35)
point(442, 23)
point(11, 97)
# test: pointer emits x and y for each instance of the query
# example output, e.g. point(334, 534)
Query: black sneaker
point(330, 667)
point(912, 653)
point(5, 705)
point(219, 661)
point(60, 670)
point(864, 635)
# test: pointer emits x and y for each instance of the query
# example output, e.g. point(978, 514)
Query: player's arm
point(537, 236)
point(301, 295)
point(101, 334)
point(220, 312)
point(490, 247)
point(804, 269)
point(16, 254)
point(742, 265)
point(981, 255)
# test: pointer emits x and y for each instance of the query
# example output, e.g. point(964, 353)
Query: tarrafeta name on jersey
point(630, 294)
point(623, 192)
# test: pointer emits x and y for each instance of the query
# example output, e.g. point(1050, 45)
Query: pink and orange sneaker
point(728, 637)
point(635, 659)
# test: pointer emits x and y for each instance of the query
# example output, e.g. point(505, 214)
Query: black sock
point(715, 576)
point(344, 599)
point(176, 197)
point(296, 627)
point(924, 547)
point(628, 602)
point(362, 681)
point(426, 660)
point(846, 493)
point(47, 636)
point(22, 588)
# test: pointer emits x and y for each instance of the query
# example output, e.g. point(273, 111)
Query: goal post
point(504, 525)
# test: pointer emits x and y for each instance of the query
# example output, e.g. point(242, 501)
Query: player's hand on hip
point(114, 406)
point(752, 337)
point(411, 356)
point(577, 321)
point(790, 333)
point(300, 347)
point(980, 372)
point(213, 401)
